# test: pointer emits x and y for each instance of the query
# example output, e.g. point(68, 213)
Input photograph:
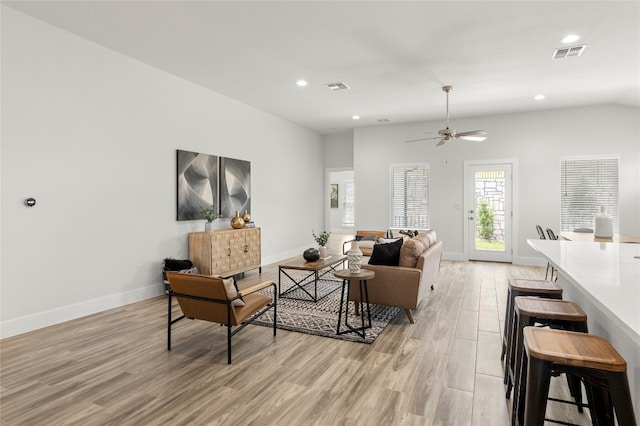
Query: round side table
point(361, 278)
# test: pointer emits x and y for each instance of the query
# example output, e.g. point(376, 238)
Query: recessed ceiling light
point(571, 38)
point(538, 97)
point(301, 83)
point(356, 117)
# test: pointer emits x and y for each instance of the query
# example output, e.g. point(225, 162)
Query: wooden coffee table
point(307, 284)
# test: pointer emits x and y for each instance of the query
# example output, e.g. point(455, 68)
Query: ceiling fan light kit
point(448, 133)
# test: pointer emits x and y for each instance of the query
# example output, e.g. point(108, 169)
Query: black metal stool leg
point(621, 398)
point(537, 388)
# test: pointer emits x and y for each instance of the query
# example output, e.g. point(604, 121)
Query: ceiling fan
point(447, 134)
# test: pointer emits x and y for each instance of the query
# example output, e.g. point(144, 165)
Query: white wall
point(537, 140)
point(338, 150)
point(338, 159)
point(92, 136)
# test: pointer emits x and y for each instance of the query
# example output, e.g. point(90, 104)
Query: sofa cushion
point(366, 245)
point(432, 236)
point(410, 252)
point(424, 238)
point(386, 254)
point(412, 249)
point(388, 240)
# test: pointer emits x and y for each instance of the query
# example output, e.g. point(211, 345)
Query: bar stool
point(558, 314)
point(524, 287)
point(542, 236)
point(586, 356)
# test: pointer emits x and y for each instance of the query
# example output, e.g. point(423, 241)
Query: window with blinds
point(587, 184)
point(410, 196)
point(349, 204)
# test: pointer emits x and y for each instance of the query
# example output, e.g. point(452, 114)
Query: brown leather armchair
point(215, 299)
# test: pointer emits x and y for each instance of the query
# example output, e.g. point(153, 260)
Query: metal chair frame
point(230, 332)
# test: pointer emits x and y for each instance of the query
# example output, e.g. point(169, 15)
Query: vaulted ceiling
point(394, 55)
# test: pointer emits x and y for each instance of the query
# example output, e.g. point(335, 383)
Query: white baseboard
point(516, 260)
point(32, 322)
point(449, 255)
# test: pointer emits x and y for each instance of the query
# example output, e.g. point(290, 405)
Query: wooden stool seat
point(557, 314)
point(571, 348)
point(550, 309)
point(590, 358)
point(524, 287)
point(539, 286)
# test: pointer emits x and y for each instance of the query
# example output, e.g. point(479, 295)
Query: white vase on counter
point(323, 252)
point(603, 225)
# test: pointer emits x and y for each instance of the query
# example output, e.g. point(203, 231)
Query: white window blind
point(587, 184)
point(410, 196)
point(349, 203)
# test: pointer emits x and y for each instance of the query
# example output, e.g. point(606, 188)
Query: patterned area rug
point(321, 318)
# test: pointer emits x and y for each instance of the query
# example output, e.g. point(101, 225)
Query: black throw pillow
point(386, 254)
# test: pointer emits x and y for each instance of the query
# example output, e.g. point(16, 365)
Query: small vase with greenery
point(210, 215)
point(322, 239)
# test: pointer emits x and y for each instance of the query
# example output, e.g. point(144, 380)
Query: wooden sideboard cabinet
point(226, 252)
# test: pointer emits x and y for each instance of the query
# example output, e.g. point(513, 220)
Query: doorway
point(340, 201)
point(489, 210)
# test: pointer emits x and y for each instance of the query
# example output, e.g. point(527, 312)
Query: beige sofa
point(405, 285)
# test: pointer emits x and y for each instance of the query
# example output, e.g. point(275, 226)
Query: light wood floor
point(113, 367)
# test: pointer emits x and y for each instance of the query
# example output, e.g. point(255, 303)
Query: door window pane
point(490, 194)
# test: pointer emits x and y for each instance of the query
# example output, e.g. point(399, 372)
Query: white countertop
point(608, 272)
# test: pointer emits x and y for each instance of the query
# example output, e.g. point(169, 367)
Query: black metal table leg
point(364, 299)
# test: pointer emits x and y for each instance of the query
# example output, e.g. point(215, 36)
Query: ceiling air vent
point(566, 52)
point(338, 86)
point(383, 120)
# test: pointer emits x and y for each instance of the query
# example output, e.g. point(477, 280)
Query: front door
point(488, 209)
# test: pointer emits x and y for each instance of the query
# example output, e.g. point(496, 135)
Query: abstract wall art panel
point(235, 186)
point(197, 184)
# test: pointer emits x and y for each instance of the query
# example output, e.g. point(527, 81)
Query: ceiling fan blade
point(472, 135)
point(443, 140)
point(424, 139)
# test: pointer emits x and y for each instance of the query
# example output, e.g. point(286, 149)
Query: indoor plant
point(322, 239)
point(210, 215)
